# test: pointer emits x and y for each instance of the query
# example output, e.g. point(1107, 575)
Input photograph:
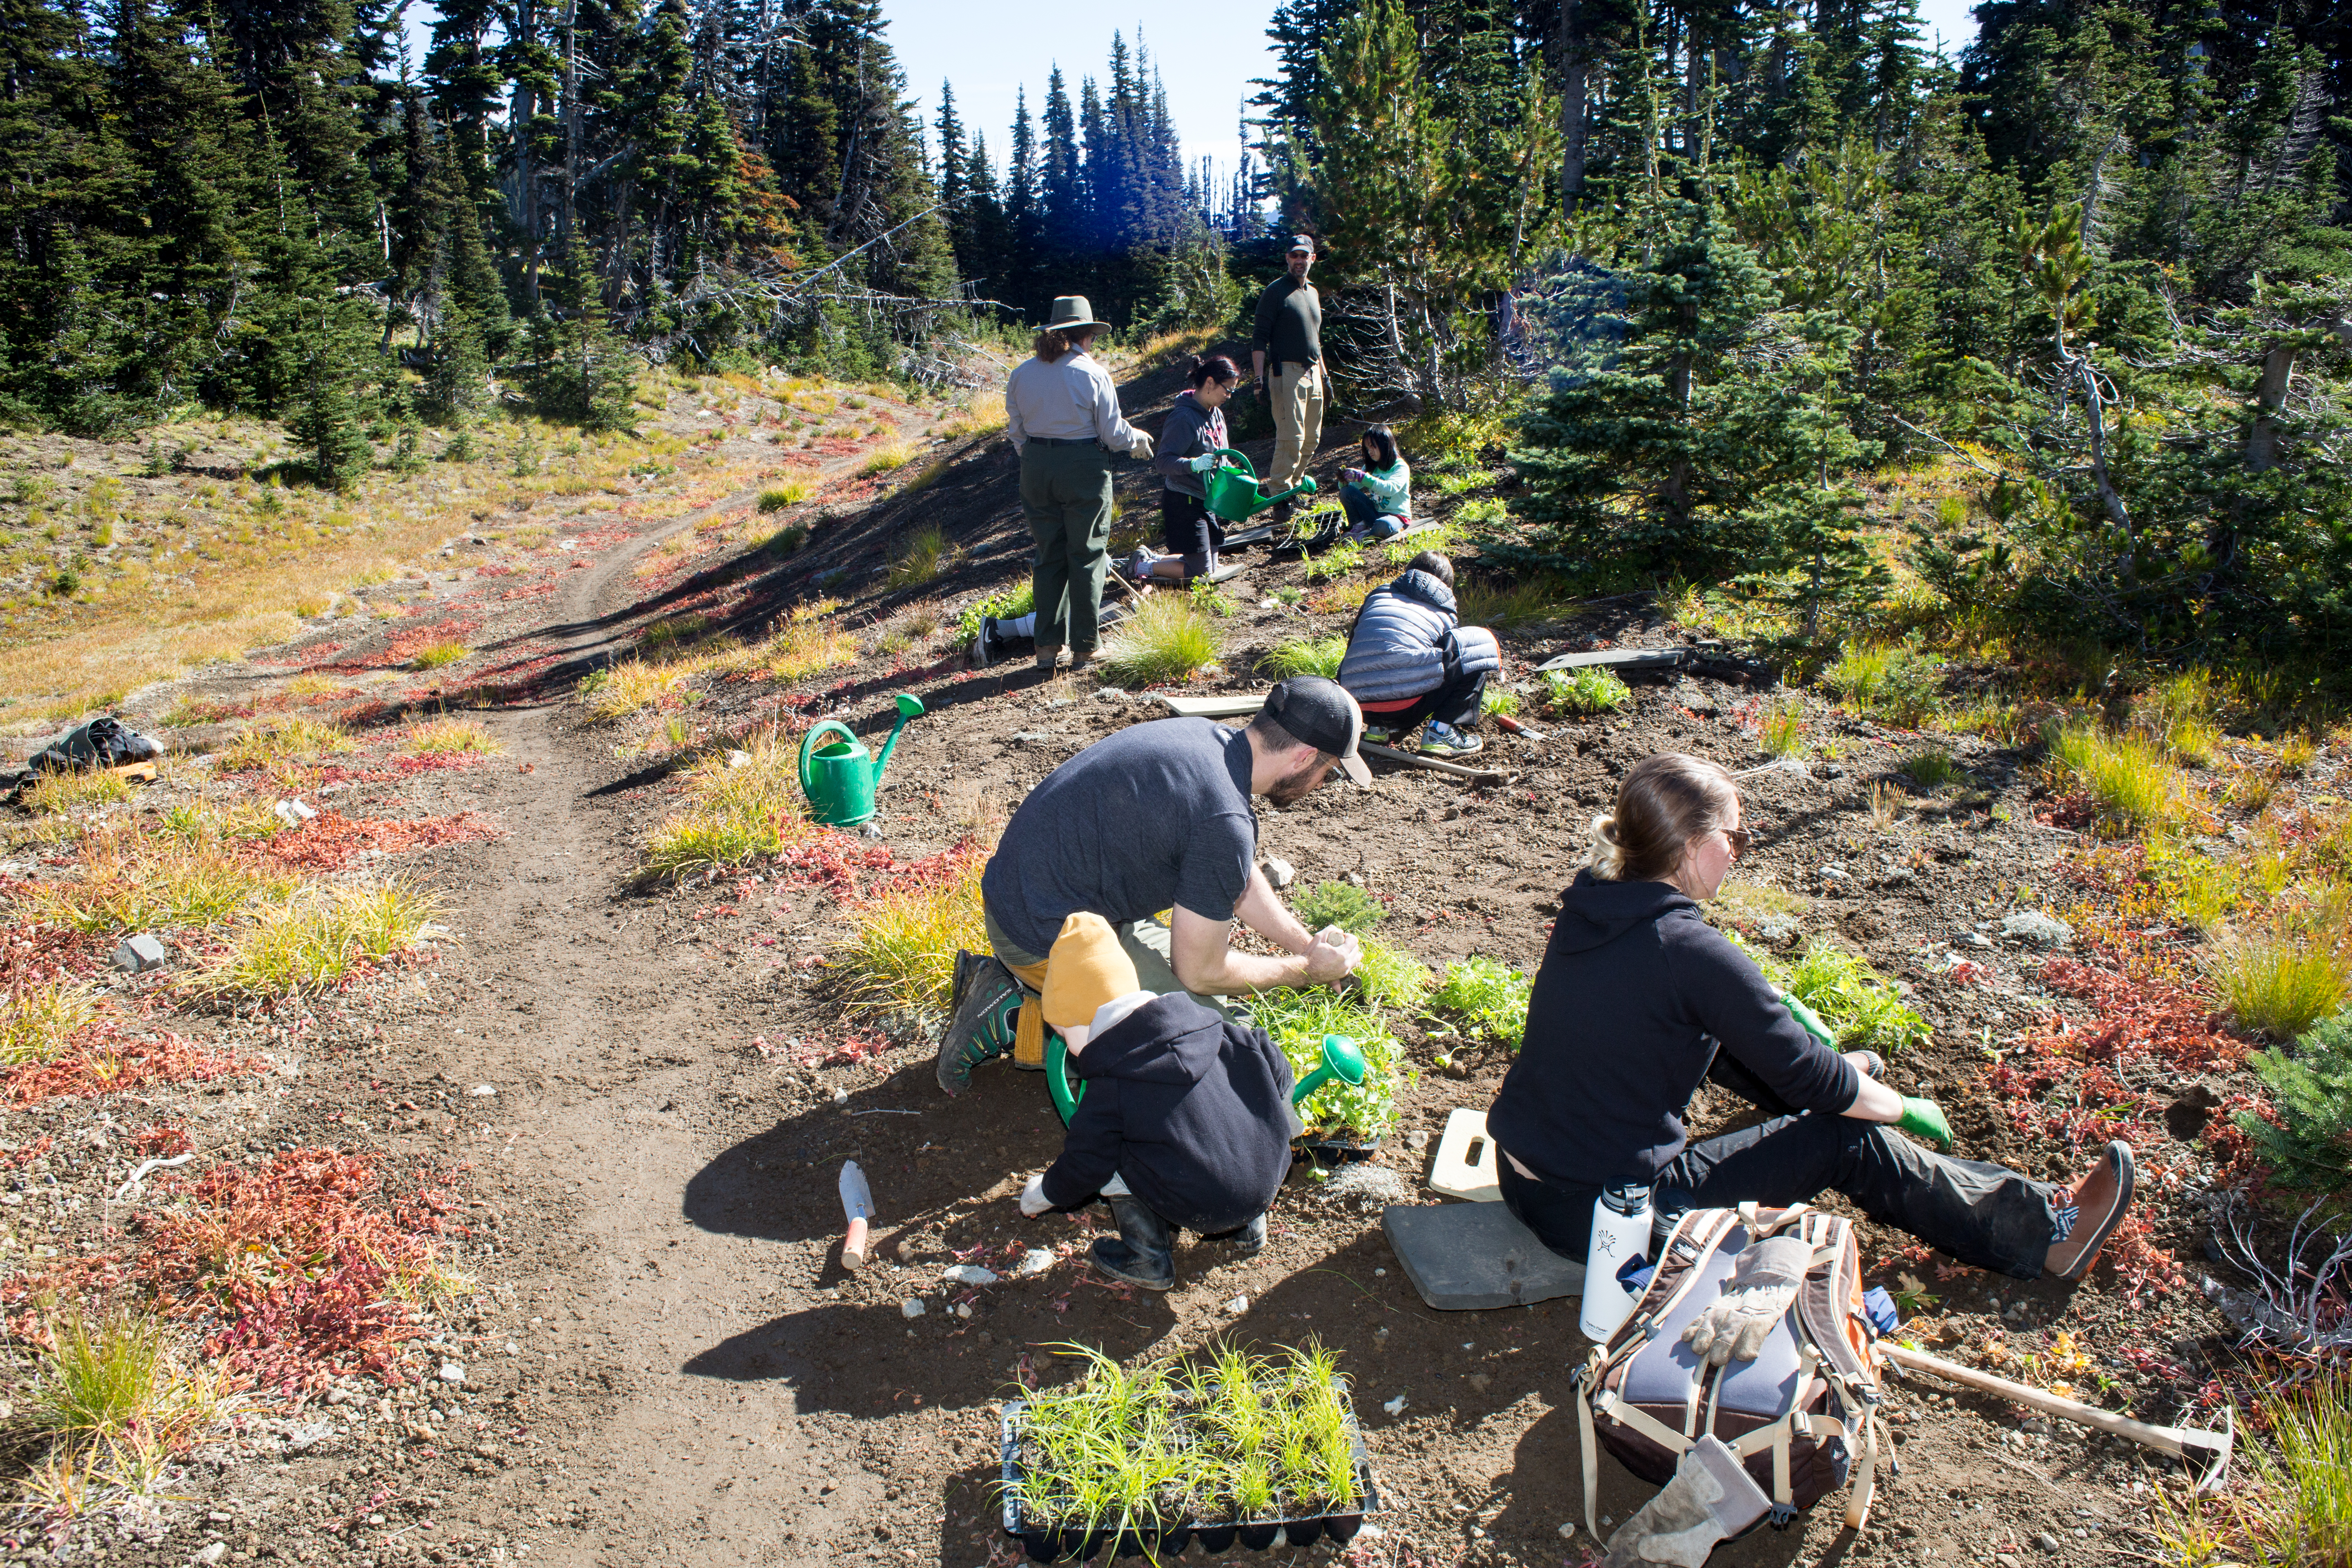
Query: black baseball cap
point(1323, 714)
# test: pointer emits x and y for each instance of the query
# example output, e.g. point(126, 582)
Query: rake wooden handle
point(2177, 1441)
point(1413, 759)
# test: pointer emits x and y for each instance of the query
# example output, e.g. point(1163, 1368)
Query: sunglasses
point(1739, 838)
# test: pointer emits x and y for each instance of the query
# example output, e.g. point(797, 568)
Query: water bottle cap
point(1626, 1198)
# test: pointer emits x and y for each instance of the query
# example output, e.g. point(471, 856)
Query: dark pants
point(1983, 1214)
point(1065, 494)
point(1187, 528)
point(1456, 703)
point(1364, 511)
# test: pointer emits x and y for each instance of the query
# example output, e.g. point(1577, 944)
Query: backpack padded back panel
point(1798, 1416)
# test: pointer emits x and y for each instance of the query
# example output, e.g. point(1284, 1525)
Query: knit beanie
point(1086, 969)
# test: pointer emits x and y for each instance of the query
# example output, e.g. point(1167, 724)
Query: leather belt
point(1057, 441)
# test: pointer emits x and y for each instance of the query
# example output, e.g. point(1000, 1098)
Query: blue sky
point(1206, 52)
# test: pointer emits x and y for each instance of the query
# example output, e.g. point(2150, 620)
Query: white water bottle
point(1621, 1230)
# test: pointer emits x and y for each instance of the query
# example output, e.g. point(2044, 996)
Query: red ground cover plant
point(331, 841)
point(295, 1271)
point(107, 1060)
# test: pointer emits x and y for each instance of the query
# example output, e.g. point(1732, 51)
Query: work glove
point(1203, 463)
point(1757, 1296)
point(1808, 1020)
point(1925, 1118)
point(1033, 1197)
point(1681, 1524)
point(1141, 450)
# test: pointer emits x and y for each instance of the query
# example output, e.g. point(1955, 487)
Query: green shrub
point(1489, 998)
point(1932, 770)
point(1341, 904)
point(1594, 689)
point(2311, 1087)
point(1851, 997)
point(1305, 656)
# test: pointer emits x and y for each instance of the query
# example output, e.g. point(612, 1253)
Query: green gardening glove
point(1925, 1118)
point(1808, 1020)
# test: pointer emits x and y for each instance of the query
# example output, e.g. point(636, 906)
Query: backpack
point(1798, 1415)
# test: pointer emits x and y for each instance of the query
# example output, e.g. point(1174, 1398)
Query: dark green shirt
point(1289, 324)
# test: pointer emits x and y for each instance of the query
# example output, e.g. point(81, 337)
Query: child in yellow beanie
point(1185, 1121)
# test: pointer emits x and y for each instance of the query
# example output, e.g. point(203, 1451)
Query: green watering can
point(1342, 1059)
point(840, 779)
point(1234, 492)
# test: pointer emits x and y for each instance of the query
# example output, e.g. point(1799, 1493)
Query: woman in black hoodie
point(1639, 1000)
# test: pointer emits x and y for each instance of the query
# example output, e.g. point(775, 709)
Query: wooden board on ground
point(1469, 1257)
point(1620, 659)
point(1227, 573)
point(1249, 536)
point(1213, 707)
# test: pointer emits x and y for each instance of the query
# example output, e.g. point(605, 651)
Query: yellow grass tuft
point(440, 655)
point(318, 936)
point(2127, 777)
point(131, 883)
point(889, 458)
point(38, 1023)
point(621, 690)
point(1509, 606)
point(293, 739)
point(921, 557)
point(452, 737)
point(55, 794)
point(733, 814)
point(899, 955)
point(1167, 638)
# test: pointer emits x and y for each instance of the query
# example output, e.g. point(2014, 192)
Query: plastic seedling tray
point(1337, 1151)
point(1042, 1540)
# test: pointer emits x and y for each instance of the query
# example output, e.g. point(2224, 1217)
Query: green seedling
point(1488, 997)
point(1341, 904)
point(1592, 689)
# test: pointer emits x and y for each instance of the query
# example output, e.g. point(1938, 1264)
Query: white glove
point(1203, 463)
point(1762, 1286)
point(1681, 1524)
point(1033, 1197)
point(1141, 450)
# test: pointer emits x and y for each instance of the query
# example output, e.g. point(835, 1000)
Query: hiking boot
point(2088, 1213)
point(984, 1010)
point(1048, 655)
point(1246, 1241)
point(1081, 656)
point(988, 647)
point(1144, 1254)
point(1279, 514)
point(1443, 740)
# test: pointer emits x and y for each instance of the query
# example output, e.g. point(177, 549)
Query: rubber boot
point(1144, 1254)
point(1246, 1241)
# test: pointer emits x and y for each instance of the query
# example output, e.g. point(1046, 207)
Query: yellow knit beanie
point(1086, 968)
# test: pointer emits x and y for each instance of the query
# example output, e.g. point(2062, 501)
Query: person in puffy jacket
point(1378, 496)
point(1639, 1000)
point(1409, 659)
point(1185, 1120)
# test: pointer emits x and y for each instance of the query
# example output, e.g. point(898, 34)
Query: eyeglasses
point(1739, 838)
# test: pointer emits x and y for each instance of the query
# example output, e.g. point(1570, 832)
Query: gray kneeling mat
point(1466, 1257)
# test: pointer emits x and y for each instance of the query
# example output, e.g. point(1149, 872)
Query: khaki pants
point(1146, 944)
point(1065, 494)
point(1298, 423)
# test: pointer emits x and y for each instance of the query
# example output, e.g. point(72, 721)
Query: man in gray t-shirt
point(1156, 817)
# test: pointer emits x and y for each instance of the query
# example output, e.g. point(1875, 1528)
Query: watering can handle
point(1238, 457)
point(1057, 1078)
point(808, 743)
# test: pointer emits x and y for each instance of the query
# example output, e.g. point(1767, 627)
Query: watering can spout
point(910, 707)
point(1343, 1058)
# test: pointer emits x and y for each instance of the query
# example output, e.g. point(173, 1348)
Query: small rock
point(1062, 702)
point(140, 953)
point(912, 1307)
point(1567, 1530)
point(482, 1090)
point(739, 759)
point(2006, 1559)
point(841, 1097)
point(963, 1308)
point(1417, 1140)
point(967, 1274)
point(2047, 1542)
point(293, 813)
point(871, 830)
point(213, 1553)
point(1028, 737)
point(2034, 929)
point(1394, 1406)
point(451, 1372)
point(1238, 1305)
point(1280, 872)
point(1034, 1262)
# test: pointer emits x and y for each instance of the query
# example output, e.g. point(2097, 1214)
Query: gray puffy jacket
point(1405, 642)
point(1189, 431)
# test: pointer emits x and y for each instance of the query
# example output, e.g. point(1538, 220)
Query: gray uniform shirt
point(1067, 399)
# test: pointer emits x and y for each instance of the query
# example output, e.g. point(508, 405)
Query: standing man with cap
point(1155, 818)
point(1289, 334)
point(1062, 412)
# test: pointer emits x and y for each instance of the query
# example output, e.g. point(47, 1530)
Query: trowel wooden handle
point(853, 1246)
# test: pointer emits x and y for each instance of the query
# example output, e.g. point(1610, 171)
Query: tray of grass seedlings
point(1238, 1450)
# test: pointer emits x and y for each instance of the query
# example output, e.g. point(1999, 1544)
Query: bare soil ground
point(666, 1361)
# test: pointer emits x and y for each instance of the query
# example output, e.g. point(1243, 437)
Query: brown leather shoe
point(1081, 656)
point(1048, 655)
point(2088, 1213)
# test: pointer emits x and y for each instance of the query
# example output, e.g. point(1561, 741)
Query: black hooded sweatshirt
point(1635, 994)
point(1192, 1112)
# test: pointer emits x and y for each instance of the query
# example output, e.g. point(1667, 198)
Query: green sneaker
point(984, 1007)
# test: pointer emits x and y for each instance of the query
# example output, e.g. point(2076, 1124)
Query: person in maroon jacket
point(1639, 1000)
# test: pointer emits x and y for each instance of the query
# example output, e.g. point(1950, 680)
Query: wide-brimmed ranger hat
point(1072, 311)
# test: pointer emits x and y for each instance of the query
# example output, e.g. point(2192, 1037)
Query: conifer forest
point(1716, 259)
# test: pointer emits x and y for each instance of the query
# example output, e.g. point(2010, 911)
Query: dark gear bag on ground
point(1799, 1416)
point(103, 743)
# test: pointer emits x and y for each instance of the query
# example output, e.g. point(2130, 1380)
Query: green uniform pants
point(1065, 494)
